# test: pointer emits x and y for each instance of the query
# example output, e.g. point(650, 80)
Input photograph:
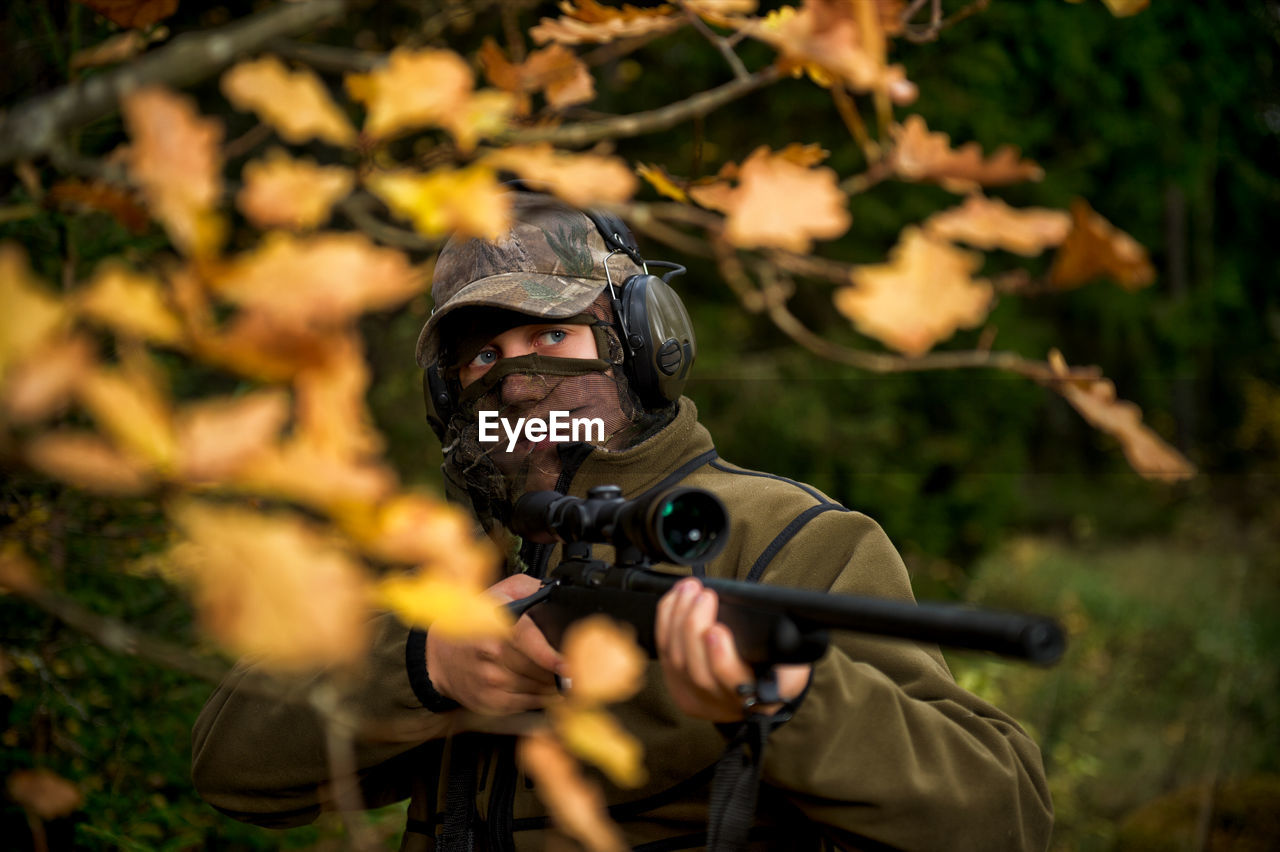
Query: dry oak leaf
point(1095, 400)
point(920, 154)
point(576, 804)
point(102, 197)
point(1094, 249)
point(780, 204)
point(217, 437)
point(554, 70)
point(135, 14)
point(468, 201)
point(130, 303)
point(989, 223)
point(275, 587)
point(603, 660)
point(920, 297)
point(134, 411)
point(29, 315)
point(586, 21)
point(448, 607)
point(87, 461)
point(281, 192)
point(296, 103)
point(331, 409)
point(297, 470)
point(176, 158)
point(416, 88)
point(596, 737)
point(485, 114)
point(44, 793)
point(428, 533)
point(580, 179)
point(41, 385)
point(322, 280)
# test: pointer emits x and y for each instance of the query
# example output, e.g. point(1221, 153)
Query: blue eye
point(485, 358)
point(554, 336)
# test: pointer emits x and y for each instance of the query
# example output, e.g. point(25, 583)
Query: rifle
point(770, 624)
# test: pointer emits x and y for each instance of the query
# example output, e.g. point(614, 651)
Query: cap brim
point(536, 294)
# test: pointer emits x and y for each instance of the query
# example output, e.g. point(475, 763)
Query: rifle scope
point(682, 526)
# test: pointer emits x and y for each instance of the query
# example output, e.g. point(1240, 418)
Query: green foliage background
point(994, 489)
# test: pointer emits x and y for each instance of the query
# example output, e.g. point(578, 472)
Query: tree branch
point(35, 127)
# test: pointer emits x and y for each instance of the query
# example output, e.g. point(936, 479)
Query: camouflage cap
point(550, 264)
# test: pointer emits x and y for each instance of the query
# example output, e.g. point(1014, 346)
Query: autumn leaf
point(577, 806)
point(281, 192)
point(17, 574)
point(87, 461)
point(989, 223)
point(40, 385)
point(295, 103)
point(446, 606)
point(331, 410)
point(604, 662)
point(134, 411)
point(135, 14)
point(323, 280)
point(44, 793)
point(1125, 8)
point(485, 114)
point(920, 297)
point(176, 160)
point(102, 197)
point(596, 737)
point(919, 154)
point(300, 471)
point(1095, 248)
point(218, 436)
point(131, 303)
point(586, 21)
point(663, 182)
point(1095, 400)
point(554, 70)
point(781, 204)
point(416, 88)
point(580, 179)
point(468, 201)
point(29, 315)
point(425, 532)
point(272, 586)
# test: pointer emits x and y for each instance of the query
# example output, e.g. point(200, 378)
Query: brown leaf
point(781, 204)
point(87, 461)
point(44, 793)
point(468, 201)
point(586, 21)
point(604, 662)
point(580, 179)
point(921, 296)
point(42, 384)
point(323, 280)
point(29, 314)
point(1095, 400)
point(216, 437)
point(273, 586)
point(295, 103)
point(576, 804)
point(131, 303)
point(416, 88)
point(177, 161)
point(596, 737)
point(919, 154)
point(281, 192)
point(136, 14)
point(1095, 249)
point(989, 223)
point(17, 574)
point(554, 70)
point(102, 197)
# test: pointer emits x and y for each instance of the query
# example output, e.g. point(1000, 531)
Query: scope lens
point(689, 525)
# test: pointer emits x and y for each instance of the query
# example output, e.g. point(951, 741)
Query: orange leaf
point(45, 794)
point(1095, 400)
point(176, 160)
point(297, 470)
point(131, 303)
point(784, 205)
point(450, 608)
point(273, 586)
point(921, 296)
point(325, 279)
point(217, 437)
point(428, 533)
point(554, 70)
point(102, 197)
point(590, 22)
point(1095, 248)
point(17, 574)
point(331, 411)
point(131, 408)
point(282, 192)
point(989, 223)
point(87, 461)
point(580, 179)
point(604, 662)
point(295, 103)
point(41, 385)
point(576, 804)
point(416, 88)
point(29, 315)
point(596, 737)
point(920, 154)
point(135, 14)
point(467, 201)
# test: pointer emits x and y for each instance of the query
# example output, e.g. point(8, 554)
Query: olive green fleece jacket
point(884, 750)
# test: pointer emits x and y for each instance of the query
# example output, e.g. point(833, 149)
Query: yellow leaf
point(416, 88)
point(295, 103)
point(577, 805)
point(597, 738)
point(920, 154)
point(468, 201)
point(450, 608)
point(216, 437)
point(989, 223)
point(298, 470)
point(130, 407)
point(272, 586)
point(1095, 400)
point(40, 385)
point(45, 794)
point(283, 192)
point(586, 21)
point(1095, 248)
point(781, 204)
point(580, 179)
point(485, 114)
point(331, 411)
point(428, 533)
point(176, 159)
point(131, 303)
point(87, 461)
point(604, 662)
point(28, 314)
point(661, 181)
point(921, 296)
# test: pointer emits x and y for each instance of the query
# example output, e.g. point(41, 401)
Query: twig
point(341, 757)
point(721, 44)
point(327, 57)
point(357, 208)
point(853, 121)
point(34, 127)
point(937, 23)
